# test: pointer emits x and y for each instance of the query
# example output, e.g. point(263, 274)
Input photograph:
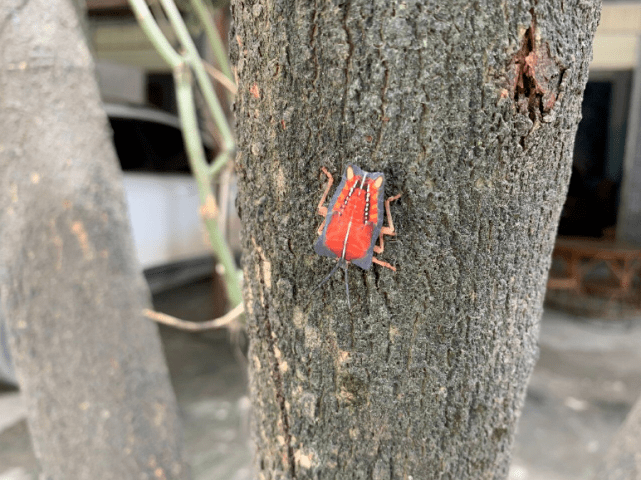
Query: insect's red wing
point(353, 222)
point(359, 238)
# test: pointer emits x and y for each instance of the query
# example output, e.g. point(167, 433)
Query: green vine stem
point(215, 41)
point(196, 153)
point(193, 58)
point(154, 33)
point(202, 171)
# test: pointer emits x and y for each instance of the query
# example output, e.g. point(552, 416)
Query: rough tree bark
point(470, 109)
point(91, 369)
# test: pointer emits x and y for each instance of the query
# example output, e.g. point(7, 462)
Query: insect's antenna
point(349, 307)
point(329, 275)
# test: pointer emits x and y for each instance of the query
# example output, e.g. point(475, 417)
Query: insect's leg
point(383, 264)
point(320, 229)
point(321, 209)
point(388, 230)
point(381, 244)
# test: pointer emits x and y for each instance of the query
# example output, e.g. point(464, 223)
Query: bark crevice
point(348, 59)
point(538, 77)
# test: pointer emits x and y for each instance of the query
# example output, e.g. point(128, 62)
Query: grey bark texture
point(470, 109)
point(623, 459)
point(91, 368)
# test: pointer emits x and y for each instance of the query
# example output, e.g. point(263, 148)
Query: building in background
point(604, 197)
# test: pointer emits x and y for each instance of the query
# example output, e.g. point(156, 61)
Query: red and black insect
point(354, 221)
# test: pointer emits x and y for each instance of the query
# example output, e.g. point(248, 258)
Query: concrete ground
point(586, 380)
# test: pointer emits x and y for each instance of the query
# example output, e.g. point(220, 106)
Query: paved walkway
point(586, 380)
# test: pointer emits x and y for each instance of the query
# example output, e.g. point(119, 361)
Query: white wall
point(165, 219)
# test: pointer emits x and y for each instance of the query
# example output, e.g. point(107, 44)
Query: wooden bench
point(580, 258)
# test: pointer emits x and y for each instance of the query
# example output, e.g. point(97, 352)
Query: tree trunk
point(91, 368)
point(623, 459)
point(470, 109)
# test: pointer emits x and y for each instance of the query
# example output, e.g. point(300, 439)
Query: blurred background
point(589, 372)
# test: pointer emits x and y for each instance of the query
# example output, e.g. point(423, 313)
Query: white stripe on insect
point(367, 204)
point(363, 182)
point(349, 226)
